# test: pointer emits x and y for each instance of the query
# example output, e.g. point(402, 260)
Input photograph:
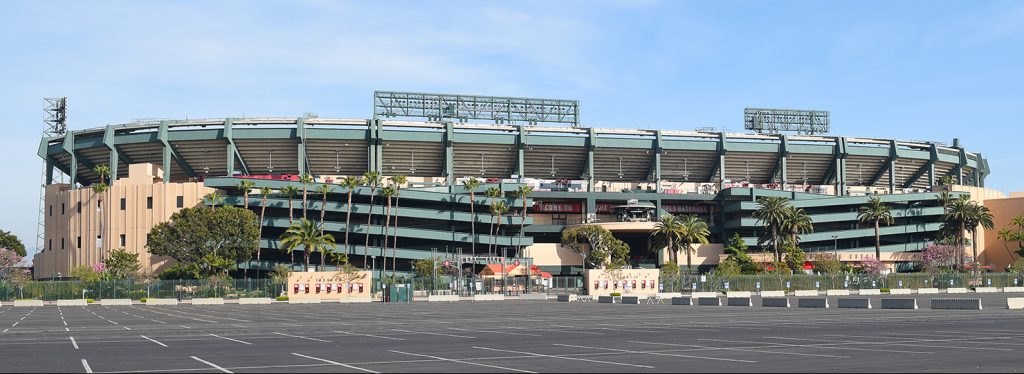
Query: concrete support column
point(300, 132)
point(657, 161)
point(69, 147)
point(449, 153)
point(230, 147)
point(591, 144)
point(521, 150)
point(108, 140)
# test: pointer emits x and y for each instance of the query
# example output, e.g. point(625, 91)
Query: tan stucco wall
point(706, 254)
point(990, 250)
point(552, 254)
point(614, 280)
point(299, 281)
point(134, 222)
point(995, 250)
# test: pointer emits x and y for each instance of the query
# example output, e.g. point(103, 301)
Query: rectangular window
point(61, 243)
point(62, 209)
point(79, 242)
point(122, 240)
point(124, 203)
point(181, 201)
point(49, 245)
point(78, 207)
point(149, 202)
point(51, 211)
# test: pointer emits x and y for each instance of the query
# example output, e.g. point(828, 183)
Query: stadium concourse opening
point(619, 178)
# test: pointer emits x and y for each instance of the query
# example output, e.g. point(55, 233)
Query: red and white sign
point(557, 207)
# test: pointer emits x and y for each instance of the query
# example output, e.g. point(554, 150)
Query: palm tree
point(387, 193)
point(979, 215)
point(692, 230)
point(245, 186)
point(265, 193)
point(306, 180)
point(668, 226)
point(372, 179)
point(955, 220)
point(398, 181)
point(100, 189)
point(771, 213)
point(307, 234)
point(350, 183)
point(1007, 236)
point(214, 198)
point(492, 193)
point(323, 190)
point(500, 210)
point(522, 192)
point(876, 211)
point(797, 222)
point(290, 191)
point(471, 185)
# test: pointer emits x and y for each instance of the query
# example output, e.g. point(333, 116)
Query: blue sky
point(923, 70)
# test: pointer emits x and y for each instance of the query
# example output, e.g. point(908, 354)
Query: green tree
point(795, 258)
point(692, 230)
point(797, 222)
point(10, 241)
point(290, 192)
point(214, 198)
point(372, 179)
point(668, 229)
point(826, 263)
point(100, 189)
point(399, 181)
point(471, 185)
point(737, 250)
point(728, 267)
point(604, 249)
point(522, 193)
point(771, 213)
point(323, 190)
point(194, 234)
point(350, 183)
point(122, 264)
point(876, 212)
point(246, 186)
point(500, 209)
point(387, 193)
point(426, 267)
point(85, 274)
point(979, 215)
point(306, 180)
point(492, 193)
point(308, 235)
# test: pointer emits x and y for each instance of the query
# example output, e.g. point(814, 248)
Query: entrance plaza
point(508, 336)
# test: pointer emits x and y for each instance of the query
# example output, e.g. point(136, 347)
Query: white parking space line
point(368, 335)
point(85, 364)
point(234, 340)
point(73, 342)
point(817, 346)
point(912, 341)
point(435, 333)
point(303, 337)
point(565, 358)
point(462, 362)
point(658, 353)
point(494, 332)
point(154, 341)
point(334, 363)
point(223, 370)
point(704, 347)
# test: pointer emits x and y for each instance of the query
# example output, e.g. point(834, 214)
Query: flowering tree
point(937, 258)
point(8, 260)
point(873, 266)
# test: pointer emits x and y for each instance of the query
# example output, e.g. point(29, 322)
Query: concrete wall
point(552, 254)
point(995, 250)
point(64, 222)
point(614, 280)
point(313, 278)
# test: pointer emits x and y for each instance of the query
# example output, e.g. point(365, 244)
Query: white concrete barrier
point(1013, 289)
point(1015, 303)
point(805, 293)
point(208, 301)
point(773, 293)
point(117, 302)
point(925, 291)
point(780, 302)
point(489, 297)
point(899, 303)
point(956, 290)
point(568, 298)
point(869, 291)
point(305, 301)
point(698, 295)
point(161, 301)
point(813, 302)
point(72, 302)
point(901, 291)
point(356, 300)
point(35, 303)
point(985, 290)
point(737, 294)
point(255, 301)
point(971, 304)
point(854, 303)
point(442, 298)
point(534, 296)
point(669, 295)
point(837, 292)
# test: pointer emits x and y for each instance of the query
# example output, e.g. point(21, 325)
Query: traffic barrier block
point(304, 301)
point(737, 294)
point(854, 303)
point(799, 293)
point(956, 290)
point(72, 302)
point(669, 295)
point(889, 303)
point(255, 301)
point(812, 302)
point(605, 300)
point(773, 293)
point(1015, 303)
point(682, 301)
point(698, 295)
point(161, 301)
point(534, 296)
point(356, 300)
point(489, 297)
point(1013, 289)
point(709, 301)
point(957, 303)
point(778, 302)
point(111, 302)
point(985, 290)
point(208, 301)
point(837, 292)
point(870, 291)
point(900, 291)
point(739, 301)
point(629, 300)
point(567, 298)
point(35, 303)
point(442, 298)
point(925, 291)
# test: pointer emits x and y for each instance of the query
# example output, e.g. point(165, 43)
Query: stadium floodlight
point(774, 121)
point(460, 108)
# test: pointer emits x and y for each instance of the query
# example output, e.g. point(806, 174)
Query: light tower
point(55, 124)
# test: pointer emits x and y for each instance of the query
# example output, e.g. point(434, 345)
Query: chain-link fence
point(128, 289)
point(774, 282)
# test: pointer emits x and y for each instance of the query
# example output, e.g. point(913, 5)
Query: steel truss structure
point(773, 121)
point(461, 108)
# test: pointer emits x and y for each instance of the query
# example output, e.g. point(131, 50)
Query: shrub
point(616, 294)
point(282, 298)
point(89, 301)
point(142, 299)
point(883, 290)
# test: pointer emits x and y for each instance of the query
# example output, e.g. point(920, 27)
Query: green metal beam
point(780, 163)
point(719, 167)
point(655, 168)
point(591, 145)
point(69, 146)
point(170, 152)
point(885, 165)
point(232, 151)
point(449, 153)
point(300, 134)
point(108, 140)
point(928, 166)
point(521, 141)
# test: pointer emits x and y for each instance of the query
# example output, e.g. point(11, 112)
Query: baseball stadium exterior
point(618, 178)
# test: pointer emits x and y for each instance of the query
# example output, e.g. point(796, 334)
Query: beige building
point(129, 209)
point(329, 285)
point(634, 282)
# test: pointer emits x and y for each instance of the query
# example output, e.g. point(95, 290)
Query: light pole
point(835, 246)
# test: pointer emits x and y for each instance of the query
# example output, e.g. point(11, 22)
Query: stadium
point(619, 178)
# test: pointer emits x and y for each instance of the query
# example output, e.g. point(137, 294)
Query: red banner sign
point(557, 207)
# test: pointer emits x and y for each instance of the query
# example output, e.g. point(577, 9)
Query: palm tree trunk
point(472, 222)
point(689, 264)
point(490, 237)
point(522, 224)
point(974, 246)
point(348, 226)
point(291, 217)
point(497, 230)
point(394, 240)
point(369, 218)
point(878, 243)
point(962, 249)
point(263, 211)
point(384, 248)
point(775, 243)
point(304, 204)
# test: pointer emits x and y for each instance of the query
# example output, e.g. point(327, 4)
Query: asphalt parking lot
point(507, 336)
